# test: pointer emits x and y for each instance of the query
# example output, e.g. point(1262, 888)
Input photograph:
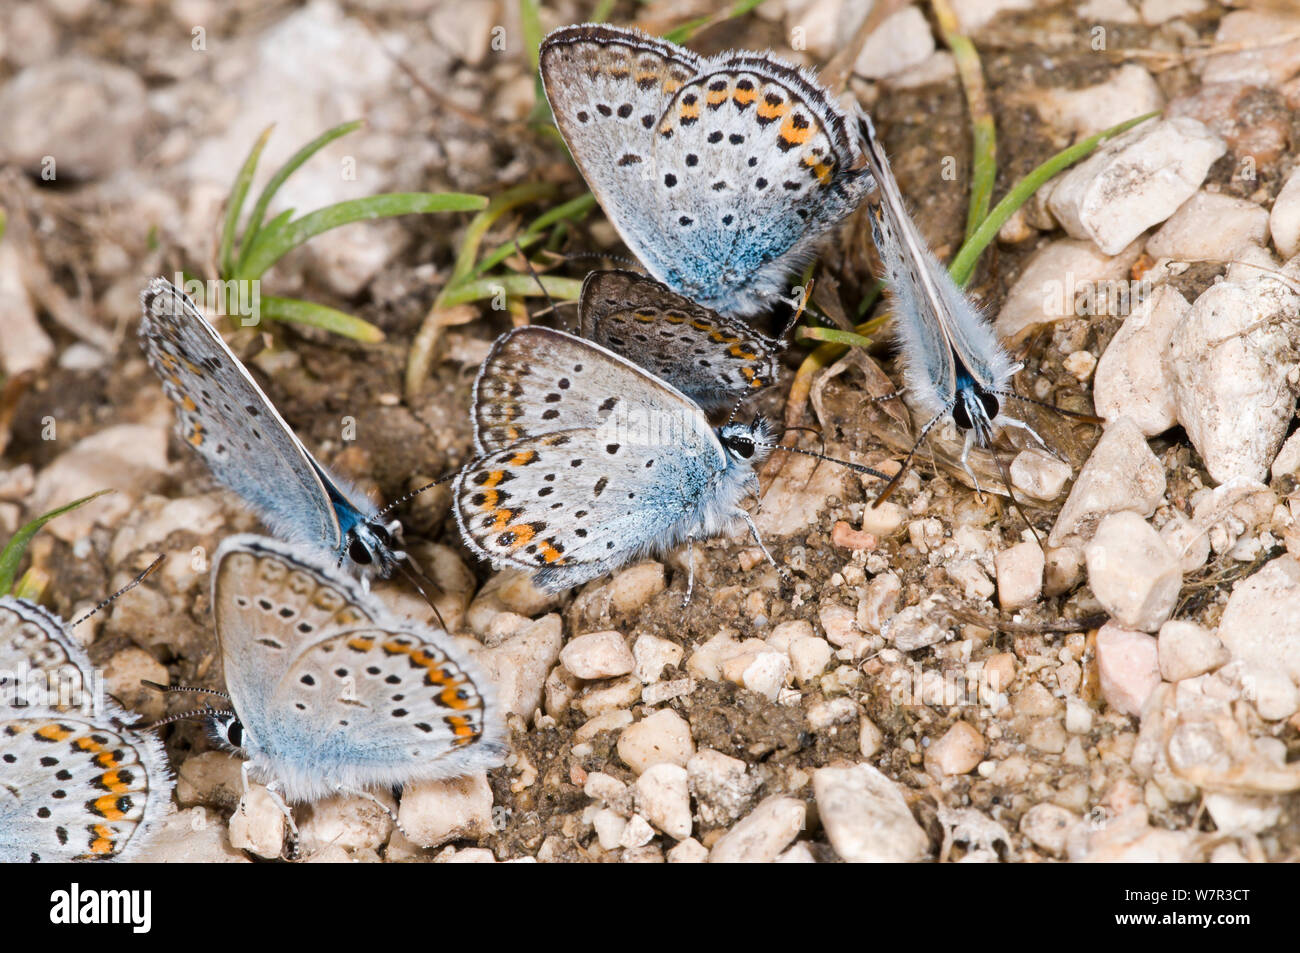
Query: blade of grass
point(235, 201)
point(984, 163)
point(963, 263)
point(530, 21)
point(12, 554)
point(484, 220)
point(32, 586)
point(296, 311)
point(873, 294)
point(268, 249)
point(688, 29)
point(601, 11)
point(479, 289)
point(254, 223)
point(834, 336)
point(574, 210)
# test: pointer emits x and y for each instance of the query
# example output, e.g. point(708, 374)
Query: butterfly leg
point(965, 463)
point(690, 570)
point(273, 789)
point(392, 815)
point(758, 539)
point(1021, 425)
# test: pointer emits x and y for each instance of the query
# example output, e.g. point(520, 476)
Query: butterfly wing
point(937, 298)
point(34, 638)
point(752, 164)
point(712, 359)
point(75, 788)
point(536, 380)
point(718, 174)
point(930, 371)
point(335, 691)
point(226, 417)
point(607, 88)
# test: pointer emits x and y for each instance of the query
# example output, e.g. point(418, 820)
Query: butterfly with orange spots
point(75, 782)
point(719, 173)
point(715, 360)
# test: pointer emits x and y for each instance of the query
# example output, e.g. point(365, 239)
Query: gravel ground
point(935, 685)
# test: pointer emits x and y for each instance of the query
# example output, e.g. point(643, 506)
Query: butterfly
point(714, 360)
point(953, 363)
point(587, 461)
point(720, 173)
point(229, 421)
point(75, 782)
point(329, 692)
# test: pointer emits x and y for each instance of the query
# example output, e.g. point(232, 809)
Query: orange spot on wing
point(549, 553)
point(794, 135)
point(107, 806)
point(820, 169)
point(53, 732)
point(768, 110)
point(523, 458)
point(523, 533)
point(463, 728)
point(101, 842)
point(744, 96)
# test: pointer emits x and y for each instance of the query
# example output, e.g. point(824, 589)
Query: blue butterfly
point(719, 173)
point(231, 423)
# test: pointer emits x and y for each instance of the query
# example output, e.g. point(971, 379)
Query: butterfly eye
point(990, 403)
point(742, 447)
point(358, 553)
point(235, 733)
point(381, 533)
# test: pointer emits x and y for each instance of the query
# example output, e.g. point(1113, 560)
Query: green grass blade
point(503, 251)
point(833, 336)
point(963, 264)
point(984, 165)
point(235, 202)
point(296, 311)
point(688, 29)
point(573, 210)
point(12, 554)
point(520, 286)
point(601, 11)
point(268, 249)
point(530, 21)
point(469, 246)
point(254, 223)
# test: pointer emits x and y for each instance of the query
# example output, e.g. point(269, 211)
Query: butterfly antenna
point(1011, 495)
point(604, 256)
point(184, 688)
point(856, 467)
point(735, 408)
point(207, 712)
point(422, 583)
point(892, 485)
point(1073, 414)
point(125, 589)
point(551, 306)
point(414, 493)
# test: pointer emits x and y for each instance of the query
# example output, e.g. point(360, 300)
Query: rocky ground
point(935, 685)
